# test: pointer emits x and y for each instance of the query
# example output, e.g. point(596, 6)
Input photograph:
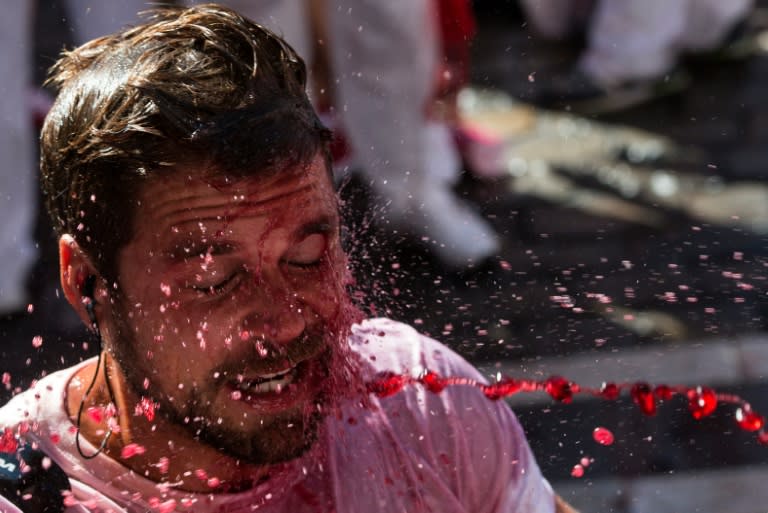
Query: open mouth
point(267, 383)
point(275, 391)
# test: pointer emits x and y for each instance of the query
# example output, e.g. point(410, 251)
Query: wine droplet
point(433, 382)
point(642, 396)
point(387, 384)
point(603, 436)
point(503, 388)
point(749, 420)
point(610, 391)
point(560, 389)
point(663, 392)
point(702, 401)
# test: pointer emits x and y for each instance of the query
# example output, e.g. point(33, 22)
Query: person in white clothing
point(18, 179)
point(18, 197)
point(384, 59)
point(632, 44)
point(189, 180)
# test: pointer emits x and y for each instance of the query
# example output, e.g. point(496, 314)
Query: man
point(189, 179)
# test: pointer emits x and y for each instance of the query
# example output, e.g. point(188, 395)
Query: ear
point(75, 269)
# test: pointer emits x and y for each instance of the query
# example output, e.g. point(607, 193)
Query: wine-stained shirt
point(415, 451)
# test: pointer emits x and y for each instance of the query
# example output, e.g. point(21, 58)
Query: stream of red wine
point(702, 401)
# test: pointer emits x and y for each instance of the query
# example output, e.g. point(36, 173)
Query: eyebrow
point(186, 248)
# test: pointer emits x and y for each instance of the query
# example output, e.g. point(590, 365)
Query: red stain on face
point(233, 308)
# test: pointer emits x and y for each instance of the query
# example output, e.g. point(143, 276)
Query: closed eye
point(308, 252)
point(222, 287)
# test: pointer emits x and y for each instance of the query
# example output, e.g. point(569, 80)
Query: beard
point(266, 440)
point(282, 438)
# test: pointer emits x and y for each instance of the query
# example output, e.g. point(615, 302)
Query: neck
point(150, 445)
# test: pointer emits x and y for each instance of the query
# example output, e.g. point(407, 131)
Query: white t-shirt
point(415, 451)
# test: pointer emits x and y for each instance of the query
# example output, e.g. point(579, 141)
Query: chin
point(276, 440)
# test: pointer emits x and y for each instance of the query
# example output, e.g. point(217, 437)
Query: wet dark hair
point(199, 85)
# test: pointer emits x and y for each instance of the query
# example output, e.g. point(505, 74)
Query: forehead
point(193, 195)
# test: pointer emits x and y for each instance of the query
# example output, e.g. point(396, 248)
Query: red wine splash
point(702, 401)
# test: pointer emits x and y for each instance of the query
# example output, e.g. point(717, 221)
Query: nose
point(276, 313)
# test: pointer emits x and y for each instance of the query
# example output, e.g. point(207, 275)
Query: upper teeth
point(275, 374)
point(267, 382)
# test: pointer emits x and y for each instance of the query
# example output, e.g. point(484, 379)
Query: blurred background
point(617, 154)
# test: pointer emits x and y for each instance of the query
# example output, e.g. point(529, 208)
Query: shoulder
point(32, 424)
point(458, 435)
point(388, 345)
point(458, 412)
point(39, 413)
point(25, 406)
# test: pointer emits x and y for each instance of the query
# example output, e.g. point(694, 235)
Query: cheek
point(152, 356)
point(325, 302)
point(324, 291)
point(179, 370)
point(173, 343)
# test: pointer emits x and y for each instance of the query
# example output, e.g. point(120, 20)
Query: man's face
point(232, 313)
